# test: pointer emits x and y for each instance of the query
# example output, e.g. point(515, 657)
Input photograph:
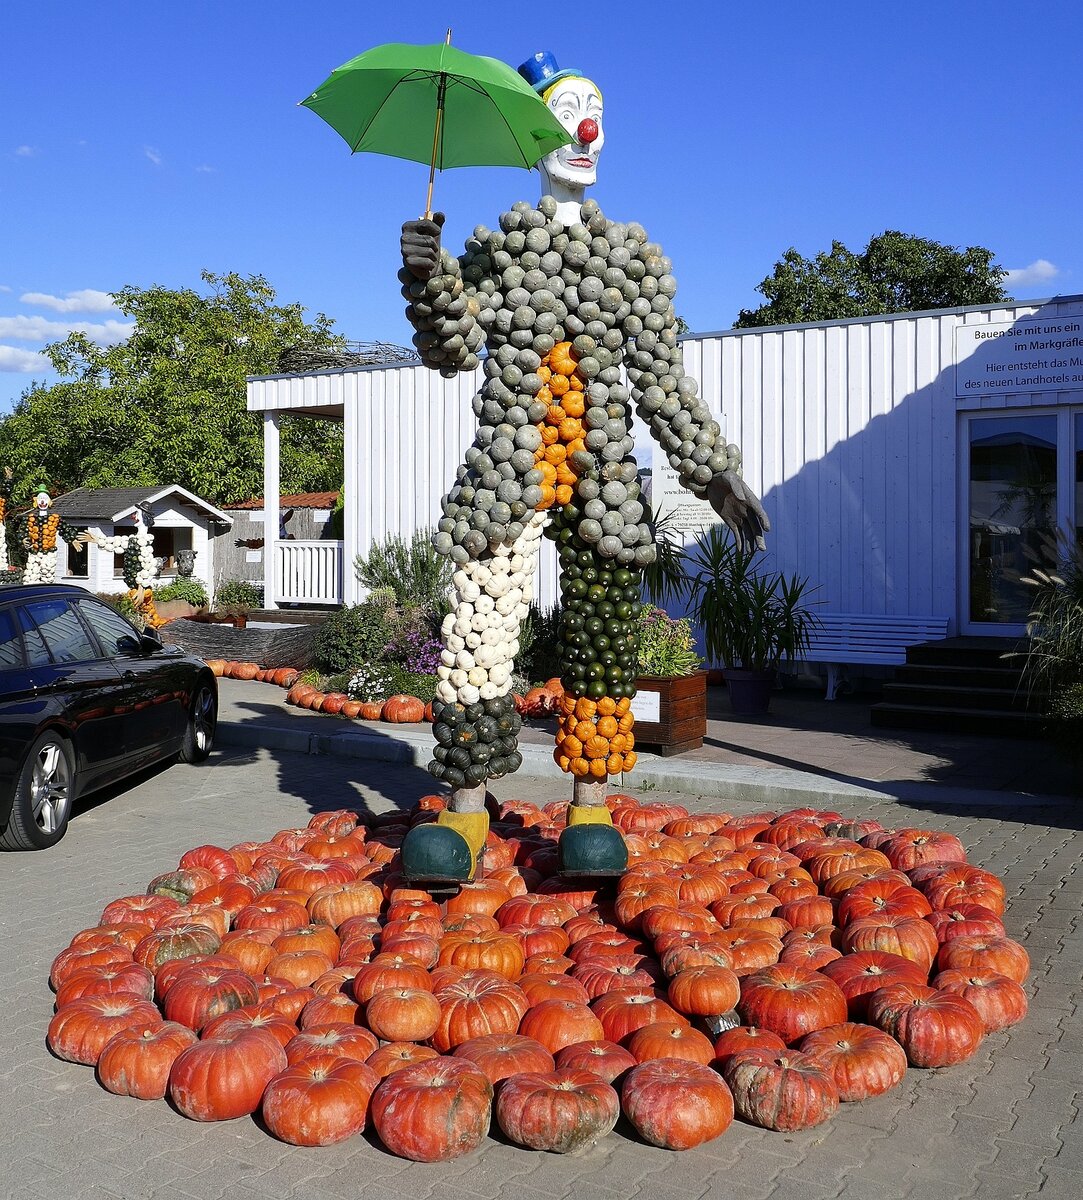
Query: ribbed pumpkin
point(676, 1104)
point(862, 1060)
point(433, 1111)
point(782, 1090)
point(562, 1111)
point(935, 1028)
point(319, 1100)
point(791, 1001)
point(136, 1061)
point(500, 1055)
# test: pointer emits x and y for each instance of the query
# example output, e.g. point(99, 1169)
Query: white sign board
point(690, 515)
point(1030, 355)
point(647, 706)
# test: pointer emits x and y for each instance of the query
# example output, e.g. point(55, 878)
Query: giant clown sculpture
point(561, 297)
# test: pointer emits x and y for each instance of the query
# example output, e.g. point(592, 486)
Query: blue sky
point(141, 143)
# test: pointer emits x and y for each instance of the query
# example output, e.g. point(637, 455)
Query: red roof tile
point(298, 500)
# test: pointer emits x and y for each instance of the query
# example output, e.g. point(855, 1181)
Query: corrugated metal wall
point(848, 431)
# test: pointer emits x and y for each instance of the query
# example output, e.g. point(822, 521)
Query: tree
point(168, 404)
point(896, 272)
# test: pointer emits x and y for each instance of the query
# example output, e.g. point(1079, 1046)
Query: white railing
point(308, 572)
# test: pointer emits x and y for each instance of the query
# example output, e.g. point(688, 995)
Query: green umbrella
point(437, 105)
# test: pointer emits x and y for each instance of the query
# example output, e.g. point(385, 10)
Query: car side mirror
point(150, 641)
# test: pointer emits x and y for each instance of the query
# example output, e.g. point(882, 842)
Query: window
point(11, 645)
point(77, 559)
point(59, 625)
point(110, 628)
point(124, 531)
point(37, 653)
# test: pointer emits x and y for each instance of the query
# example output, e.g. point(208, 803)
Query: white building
point(181, 521)
point(909, 464)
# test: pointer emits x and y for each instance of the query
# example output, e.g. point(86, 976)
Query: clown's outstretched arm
point(443, 303)
point(668, 401)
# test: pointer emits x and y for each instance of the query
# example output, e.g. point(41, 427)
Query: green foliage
point(1053, 668)
point(896, 272)
point(538, 643)
point(121, 601)
point(412, 683)
point(413, 570)
point(357, 634)
point(664, 579)
point(748, 620)
point(370, 682)
point(168, 404)
point(191, 590)
point(337, 683)
point(235, 595)
point(666, 646)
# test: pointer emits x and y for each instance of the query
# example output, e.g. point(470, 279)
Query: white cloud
point(154, 155)
point(26, 151)
point(204, 169)
point(1039, 271)
point(4, 288)
point(23, 362)
point(40, 329)
point(88, 300)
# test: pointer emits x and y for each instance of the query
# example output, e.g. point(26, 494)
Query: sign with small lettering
point(1033, 354)
point(647, 706)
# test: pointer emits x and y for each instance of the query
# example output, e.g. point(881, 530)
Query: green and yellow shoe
point(591, 846)
point(446, 850)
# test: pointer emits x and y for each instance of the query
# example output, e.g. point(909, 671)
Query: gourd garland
point(264, 978)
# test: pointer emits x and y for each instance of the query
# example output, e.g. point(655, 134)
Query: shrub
point(413, 570)
point(238, 595)
point(358, 634)
point(192, 591)
point(412, 683)
point(123, 604)
point(370, 682)
point(538, 645)
point(666, 646)
point(415, 647)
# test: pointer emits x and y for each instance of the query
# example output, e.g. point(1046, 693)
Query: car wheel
point(43, 796)
point(202, 721)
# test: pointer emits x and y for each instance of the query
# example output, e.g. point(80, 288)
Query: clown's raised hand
point(740, 509)
point(420, 246)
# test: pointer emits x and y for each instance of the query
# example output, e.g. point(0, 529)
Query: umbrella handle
point(441, 92)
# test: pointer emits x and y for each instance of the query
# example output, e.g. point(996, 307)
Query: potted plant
point(750, 620)
point(670, 704)
point(235, 599)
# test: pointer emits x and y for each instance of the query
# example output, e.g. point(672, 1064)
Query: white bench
point(863, 638)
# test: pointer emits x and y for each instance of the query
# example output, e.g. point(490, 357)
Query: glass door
point(1012, 501)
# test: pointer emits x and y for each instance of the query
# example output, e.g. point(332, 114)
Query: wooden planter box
point(670, 714)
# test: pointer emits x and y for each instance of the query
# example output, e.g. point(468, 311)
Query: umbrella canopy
point(439, 105)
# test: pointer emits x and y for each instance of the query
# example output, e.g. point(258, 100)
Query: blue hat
point(541, 71)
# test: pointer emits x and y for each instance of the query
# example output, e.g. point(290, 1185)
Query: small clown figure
point(5, 493)
point(576, 311)
point(139, 565)
point(39, 531)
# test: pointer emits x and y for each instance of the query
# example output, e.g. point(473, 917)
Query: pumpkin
point(909, 937)
point(620, 973)
point(202, 993)
point(403, 1014)
point(539, 986)
point(479, 1003)
point(963, 920)
point(1000, 1001)
point(394, 1056)
point(622, 1013)
point(1000, 955)
point(562, 1111)
point(882, 897)
point(560, 1023)
point(862, 1060)
point(500, 1055)
point(224, 1077)
point(499, 952)
point(387, 971)
point(335, 1009)
point(670, 1039)
point(122, 977)
point(865, 971)
point(272, 913)
point(960, 884)
point(136, 1061)
point(676, 1104)
point(300, 967)
point(403, 710)
point(744, 1037)
point(935, 1028)
point(911, 848)
point(321, 938)
point(782, 1090)
point(126, 935)
point(339, 1041)
point(704, 991)
point(791, 1000)
point(319, 1101)
point(250, 948)
point(80, 1031)
point(433, 1111)
point(231, 1023)
point(371, 710)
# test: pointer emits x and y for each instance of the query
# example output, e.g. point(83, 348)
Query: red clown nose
point(587, 131)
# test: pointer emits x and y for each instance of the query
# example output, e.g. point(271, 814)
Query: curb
point(769, 787)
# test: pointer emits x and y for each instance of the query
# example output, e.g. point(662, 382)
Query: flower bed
point(299, 977)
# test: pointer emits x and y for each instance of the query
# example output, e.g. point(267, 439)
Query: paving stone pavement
point(1006, 1124)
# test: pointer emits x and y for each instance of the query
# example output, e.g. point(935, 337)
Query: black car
point(86, 699)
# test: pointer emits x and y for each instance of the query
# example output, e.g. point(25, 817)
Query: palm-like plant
point(750, 621)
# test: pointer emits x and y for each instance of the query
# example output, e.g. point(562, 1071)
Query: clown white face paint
point(43, 501)
point(567, 173)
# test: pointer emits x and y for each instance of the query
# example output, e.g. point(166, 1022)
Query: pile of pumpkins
point(770, 966)
point(541, 701)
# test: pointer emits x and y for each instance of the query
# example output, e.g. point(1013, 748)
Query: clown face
point(42, 501)
point(570, 170)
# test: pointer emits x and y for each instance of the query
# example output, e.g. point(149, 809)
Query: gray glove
point(740, 509)
point(420, 245)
